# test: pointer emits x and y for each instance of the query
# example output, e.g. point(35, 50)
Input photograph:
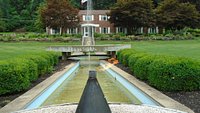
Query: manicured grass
point(186, 48)
point(10, 50)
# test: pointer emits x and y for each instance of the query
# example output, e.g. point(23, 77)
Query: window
point(105, 30)
point(121, 30)
point(103, 18)
point(153, 30)
point(72, 30)
point(88, 17)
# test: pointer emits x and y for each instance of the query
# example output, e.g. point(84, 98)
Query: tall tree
point(175, 16)
point(59, 14)
point(132, 14)
point(194, 2)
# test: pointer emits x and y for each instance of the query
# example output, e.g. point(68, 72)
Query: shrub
point(120, 54)
point(14, 77)
point(126, 56)
point(16, 74)
point(174, 74)
point(141, 66)
point(166, 73)
point(133, 59)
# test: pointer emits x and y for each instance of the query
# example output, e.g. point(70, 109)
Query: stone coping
point(161, 98)
point(22, 101)
point(87, 48)
point(115, 108)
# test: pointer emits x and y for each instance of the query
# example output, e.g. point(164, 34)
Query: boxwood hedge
point(141, 67)
point(165, 73)
point(174, 74)
point(18, 73)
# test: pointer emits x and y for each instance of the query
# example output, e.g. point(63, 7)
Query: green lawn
point(187, 48)
point(9, 50)
point(190, 48)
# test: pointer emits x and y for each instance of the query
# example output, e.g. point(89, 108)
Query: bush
point(165, 73)
point(120, 54)
point(142, 65)
point(16, 74)
point(126, 56)
point(174, 74)
point(14, 77)
point(133, 59)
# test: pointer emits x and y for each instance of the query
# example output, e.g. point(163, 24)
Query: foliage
point(18, 15)
point(59, 14)
point(132, 14)
point(16, 74)
point(141, 67)
point(174, 74)
point(195, 2)
point(97, 4)
point(132, 59)
point(174, 15)
point(166, 73)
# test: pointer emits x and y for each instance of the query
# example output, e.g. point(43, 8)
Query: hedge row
point(166, 73)
point(18, 73)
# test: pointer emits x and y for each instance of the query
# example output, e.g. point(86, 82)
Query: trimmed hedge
point(123, 55)
point(174, 74)
point(141, 67)
point(17, 74)
point(133, 59)
point(165, 73)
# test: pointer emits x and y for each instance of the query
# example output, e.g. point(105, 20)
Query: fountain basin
point(88, 48)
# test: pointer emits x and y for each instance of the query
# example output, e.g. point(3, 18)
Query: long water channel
point(71, 89)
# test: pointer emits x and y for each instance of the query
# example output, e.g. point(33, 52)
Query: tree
point(2, 23)
point(194, 2)
point(132, 14)
point(175, 16)
point(59, 14)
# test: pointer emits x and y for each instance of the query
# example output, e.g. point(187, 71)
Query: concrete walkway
point(115, 108)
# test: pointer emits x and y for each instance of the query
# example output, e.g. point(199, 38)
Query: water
point(71, 90)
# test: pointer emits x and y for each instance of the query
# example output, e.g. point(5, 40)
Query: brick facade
point(99, 19)
point(96, 16)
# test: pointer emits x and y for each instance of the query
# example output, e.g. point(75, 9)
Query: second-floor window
point(103, 18)
point(88, 17)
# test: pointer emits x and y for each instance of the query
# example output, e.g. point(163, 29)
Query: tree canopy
point(174, 15)
point(18, 14)
point(132, 14)
point(59, 14)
